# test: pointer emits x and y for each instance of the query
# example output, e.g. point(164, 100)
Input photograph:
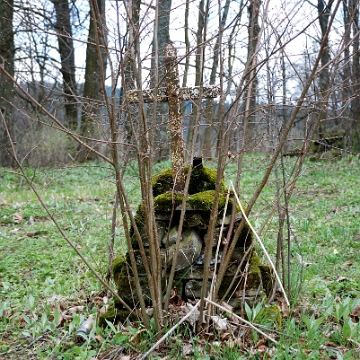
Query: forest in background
point(76, 61)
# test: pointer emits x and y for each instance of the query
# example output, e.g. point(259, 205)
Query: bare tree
point(144, 267)
point(67, 55)
point(95, 71)
point(7, 52)
point(324, 14)
point(199, 61)
point(210, 133)
point(252, 79)
point(157, 73)
point(355, 104)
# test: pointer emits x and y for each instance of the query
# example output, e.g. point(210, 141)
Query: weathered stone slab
point(189, 248)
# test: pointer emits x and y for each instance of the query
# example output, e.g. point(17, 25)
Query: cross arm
point(183, 93)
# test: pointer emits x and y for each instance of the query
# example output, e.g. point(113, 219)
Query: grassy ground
point(46, 291)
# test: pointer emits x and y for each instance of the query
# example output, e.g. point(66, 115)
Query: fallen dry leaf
point(14, 231)
point(17, 217)
point(225, 336)
point(21, 321)
point(331, 344)
point(76, 309)
point(135, 339)
point(284, 308)
point(103, 309)
point(355, 314)
point(99, 338)
point(35, 233)
point(208, 336)
point(220, 324)
point(188, 349)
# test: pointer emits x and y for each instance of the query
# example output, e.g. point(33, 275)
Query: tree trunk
point(355, 104)
point(161, 38)
point(211, 131)
point(94, 76)
point(198, 63)
point(67, 56)
point(252, 80)
point(7, 51)
point(129, 81)
point(324, 13)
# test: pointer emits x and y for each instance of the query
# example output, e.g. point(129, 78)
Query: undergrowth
point(46, 291)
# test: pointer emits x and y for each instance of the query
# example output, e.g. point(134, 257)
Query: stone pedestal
point(252, 282)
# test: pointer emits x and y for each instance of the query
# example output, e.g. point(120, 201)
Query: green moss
point(115, 315)
point(162, 182)
point(205, 201)
point(202, 201)
point(202, 179)
point(125, 282)
point(314, 157)
point(269, 315)
point(139, 219)
point(267, 277)
point(164, 202)
point(254, 275)
point(117, 265)
point(333, 139)
point(254, 260)
point(332, 155)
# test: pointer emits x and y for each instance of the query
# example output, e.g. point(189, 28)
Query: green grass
point(41, 277)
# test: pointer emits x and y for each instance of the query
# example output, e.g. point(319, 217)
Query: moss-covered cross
point(173, 94)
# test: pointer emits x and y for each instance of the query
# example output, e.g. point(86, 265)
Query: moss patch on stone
point(117, 264)
point(255, 260)
point(115, 315)
point(139, 219)
point(267, 276)
point(166, 201)
point(202, 179)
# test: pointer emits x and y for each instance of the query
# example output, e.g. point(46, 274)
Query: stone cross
point(173, 94)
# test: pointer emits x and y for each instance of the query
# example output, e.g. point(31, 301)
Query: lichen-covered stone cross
point(173, 94)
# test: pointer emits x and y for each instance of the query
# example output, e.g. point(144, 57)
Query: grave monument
point(246, 279)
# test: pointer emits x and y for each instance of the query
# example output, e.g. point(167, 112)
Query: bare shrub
point(45, 147)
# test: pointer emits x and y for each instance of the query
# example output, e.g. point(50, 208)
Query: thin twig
point(261, 244)
point(242, 320)
point(213, 281)
point(163, 338)
point(60, 229)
